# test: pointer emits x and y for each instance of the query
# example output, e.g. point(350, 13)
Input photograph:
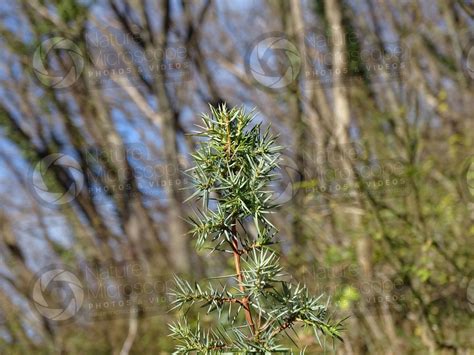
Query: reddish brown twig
point(235, 248)
point(238, 270)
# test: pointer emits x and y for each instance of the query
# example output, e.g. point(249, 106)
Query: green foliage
point(234, 165)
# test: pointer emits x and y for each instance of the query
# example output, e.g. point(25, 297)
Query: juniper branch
point(234, 166)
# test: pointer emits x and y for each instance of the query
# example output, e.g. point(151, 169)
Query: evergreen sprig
point(234, 166)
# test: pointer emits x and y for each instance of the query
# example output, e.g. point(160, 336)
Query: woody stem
point(238, 270)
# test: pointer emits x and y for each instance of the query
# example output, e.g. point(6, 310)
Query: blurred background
point(373, 100)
